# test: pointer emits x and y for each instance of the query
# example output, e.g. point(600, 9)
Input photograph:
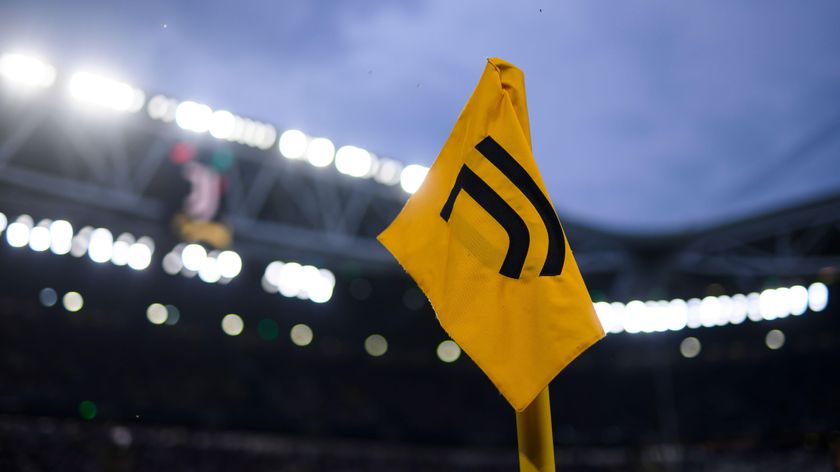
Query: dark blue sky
point(646, 115)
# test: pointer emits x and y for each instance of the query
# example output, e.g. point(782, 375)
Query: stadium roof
point(643, 121)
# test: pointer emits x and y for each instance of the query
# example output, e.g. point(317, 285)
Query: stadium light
point(388, 172)
point(677, 314)
point(222, 124)
point(293, 144)
point(73, 301)
point(61, 237)
point(354, 161)
point(157, 314)
point(192, 116)
point(320, 152)
point(39, 237)
point(17, 234)
point(412, 177)
point(26, 71)
point(105, 92)
point(293, 280)
point(212, 267)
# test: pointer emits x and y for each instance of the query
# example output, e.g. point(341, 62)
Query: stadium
point(189, 288)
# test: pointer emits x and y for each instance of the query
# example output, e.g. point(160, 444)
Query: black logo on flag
point(506, 216)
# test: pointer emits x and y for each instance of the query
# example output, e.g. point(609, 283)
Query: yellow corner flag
point(482, 240)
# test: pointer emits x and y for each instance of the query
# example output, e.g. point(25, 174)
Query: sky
point(647, 116)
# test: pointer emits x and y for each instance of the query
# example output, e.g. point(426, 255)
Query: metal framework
point(111, 167)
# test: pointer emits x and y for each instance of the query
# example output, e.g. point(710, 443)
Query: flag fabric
point(482, 240)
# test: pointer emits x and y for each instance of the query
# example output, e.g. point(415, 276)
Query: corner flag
point(481, 239)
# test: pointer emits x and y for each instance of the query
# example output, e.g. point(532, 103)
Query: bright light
point(354, 161)
point(61, 237)
point(17, 234)
point(388, 172)
point(193, 257)
point(376, 345)
point(26, 71)
point(232, 324)
point(101, 246)
point(3, 221)
point(222, 124)
point(162, 108)
point(739, 308)
point(301, 334)
point(775, 339)
point(39, 238)
point(292, 144)
point(412, 177)
point(106, 92)
point(157, 314)
point(209, 271)
point(320, 152)
point(73, 301)
point(294, 280)
point(193, 116)
point(139, 256)
point(229, 264)
point(122, 246)
point(172, 263)
point(817, 296)
point(448, 351)
point(690, 347)
point(798, 300)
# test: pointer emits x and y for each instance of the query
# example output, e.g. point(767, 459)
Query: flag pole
point(533, 433)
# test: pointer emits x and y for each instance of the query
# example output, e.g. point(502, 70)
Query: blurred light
point(301, 334)
point(17, 234)
point(376, 345)
point(39, 238)
point(232, 324)
point(294, 280)
point(775, 339)
point(817, 296)
point(412, 177)
point(73, 301)
point(192, 116)
point(61, 237)
point(209, 271)
point(162, 108)
point(320, 152)
point(388, 172)
point(173, 314)
point(105, 92)
point(119, 253)
point(48, 297)
point(354, 161)
point(292, 144)
point(172, 263)
point(268, 329)
point(79, 246)
point(193, 257)
point(157, 314)
point(139, 255)
point(739, 309)
point(26, 71)
point(448, 351)
point(87, 410)
point(754, 306)
point(229, 264)
point(101, 246)
point(798, 300)
point(678, 314)
point(690, 347)
point(222, 124)
point(3, 221)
